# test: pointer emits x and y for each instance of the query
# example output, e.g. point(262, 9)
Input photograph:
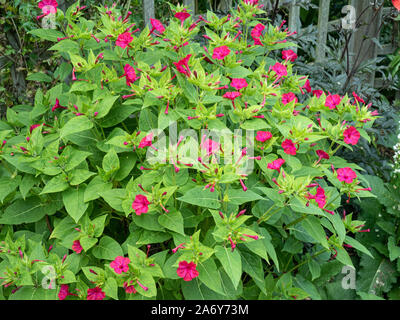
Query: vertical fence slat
point(294, 20)
point(190, 4)
point(361, 46)
point(148, 11)
point(323, 20)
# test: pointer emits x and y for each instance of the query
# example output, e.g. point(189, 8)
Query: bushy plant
point(171, 170)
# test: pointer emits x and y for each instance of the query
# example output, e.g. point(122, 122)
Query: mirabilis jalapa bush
point(83, 198)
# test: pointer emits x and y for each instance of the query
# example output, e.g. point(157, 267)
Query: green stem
point(295, 222)
point(265, 216)
point(305, 261)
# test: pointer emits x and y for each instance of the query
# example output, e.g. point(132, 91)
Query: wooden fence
point(362, 45)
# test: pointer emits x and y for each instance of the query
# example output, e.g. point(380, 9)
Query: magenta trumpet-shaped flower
point(95, 294)
point(76, 246)
point(221, 52)
point(289, 55)
point(346, 175)
point(332, 101)
point(276, 164)
point(124, 39)
point(288, 97)
point(239, 83)
point(187, 271)
point(120, 264)
point(289, 147)
point(263, 136)
point(140, 204)
point(351, 135)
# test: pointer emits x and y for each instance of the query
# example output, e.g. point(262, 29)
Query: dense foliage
point(133, 180)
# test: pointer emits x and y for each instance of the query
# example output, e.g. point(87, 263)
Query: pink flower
point(319, 197)
point(289, 55)
point(279, 69)
point(351, 135)
point(263, 136)
point(307, 86)
point(221, 52)
point(346, 174)
point(124, 39)
point(289, 147)
point(182, 65)
point(317, 93)
point(140, 204)
point(57, 106)
point(64, 292)
point(239, 83)
point(34, 126)
point(129, 289)
point(210, 146)
point(256, 33)
point(48, 6)
point(276, 164)
point(322, 155)
point(251, 2)
point(95, 294)
point(120, 264)
point(187, 271)
point(332, 101)
point(130, 74)
point(232, 95)
point(146, 141)
point(76, 246)
point(288, 97)
point(358, 98)
point(157, 25)
point(182, 15)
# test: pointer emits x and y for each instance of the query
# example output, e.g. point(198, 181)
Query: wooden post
point(225, 5)
point(191, 6)
point(294, 20)
point(361, 46)
point(323, 20)
point(148, 11)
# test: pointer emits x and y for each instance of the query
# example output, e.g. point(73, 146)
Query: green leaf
point(26, 211)
point(209, 275)
point(202, 198)
point(95, 186)
point(79, 176)
point(107, 249)
point(7, 186)
point(111, 288)
point(28, 181)
point(39, 76)
point(87, 242)
point(75, 125)
point(195, 290)
point(394, 251)
point(357, 245)
point(47, 34)
point(56, 184)
point(114, 198)
point(111, 161)
point(173, 221)
point(238, 196)
point(231, 262)
point(73, 202)
point(252, 265)
point(313, 226)
point(105, 106)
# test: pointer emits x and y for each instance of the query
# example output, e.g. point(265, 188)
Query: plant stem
point(265, 216)
point(295, 222)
